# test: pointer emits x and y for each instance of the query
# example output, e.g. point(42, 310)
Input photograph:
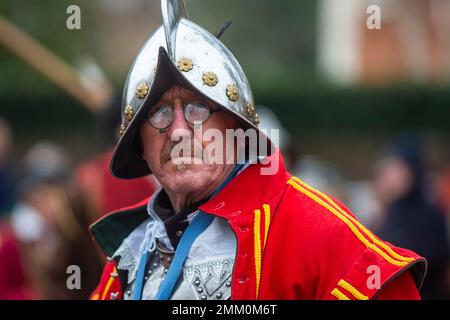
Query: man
point(228, 221)
point(410, 217)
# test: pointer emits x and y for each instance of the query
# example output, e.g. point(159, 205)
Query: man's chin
point(186, 180)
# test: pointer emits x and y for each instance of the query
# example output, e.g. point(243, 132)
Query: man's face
point(393, 179)
point(184, 172)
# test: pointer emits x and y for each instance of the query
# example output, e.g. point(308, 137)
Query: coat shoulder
point(109, 231)
point(310, 208)
point(335, 247)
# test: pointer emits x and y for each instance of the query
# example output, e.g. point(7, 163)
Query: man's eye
point(160, 111)
point(196, 112)
point(161, 117)
point(201, 105)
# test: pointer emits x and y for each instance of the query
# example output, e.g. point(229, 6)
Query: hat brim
point(127, 161)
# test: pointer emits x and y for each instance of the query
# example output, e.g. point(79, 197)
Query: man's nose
point(179, 127)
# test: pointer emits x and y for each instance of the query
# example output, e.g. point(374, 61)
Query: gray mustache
point(194, 146)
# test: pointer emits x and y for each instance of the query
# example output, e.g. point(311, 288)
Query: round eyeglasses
point(195, 113)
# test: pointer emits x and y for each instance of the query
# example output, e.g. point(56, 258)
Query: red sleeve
point(401, 288)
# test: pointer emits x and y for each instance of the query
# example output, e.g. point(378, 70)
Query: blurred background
point(364, 116)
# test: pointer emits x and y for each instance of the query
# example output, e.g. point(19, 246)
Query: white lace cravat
point(155, 230)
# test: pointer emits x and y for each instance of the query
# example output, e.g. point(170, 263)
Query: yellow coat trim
point(258, 244)
point(355, 292)
point(95, 296)
point(258, 249)
point(347, 222)
point(339, 295)
point(108, 285)
point(356, 222)
point(266, 208)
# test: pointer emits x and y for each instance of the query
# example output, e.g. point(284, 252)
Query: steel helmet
point(180, 52)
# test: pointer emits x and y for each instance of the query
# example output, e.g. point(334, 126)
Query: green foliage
point(45, 21)
point(360, 110)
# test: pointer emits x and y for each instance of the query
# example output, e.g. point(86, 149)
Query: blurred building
point(412, 44)
point(123, 27)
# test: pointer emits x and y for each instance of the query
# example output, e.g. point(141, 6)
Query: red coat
point(14, 284)
point(293, 242)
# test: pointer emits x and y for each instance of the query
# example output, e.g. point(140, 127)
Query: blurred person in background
point(104, 192)
point(443, 196)
point(50, 223)
point(410, 218)
point(444, 189)
point(13, 283)
point(320, 174)
point(7, 169)
point(270, 121)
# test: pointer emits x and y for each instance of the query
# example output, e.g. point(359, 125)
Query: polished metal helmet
point(179, 52)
